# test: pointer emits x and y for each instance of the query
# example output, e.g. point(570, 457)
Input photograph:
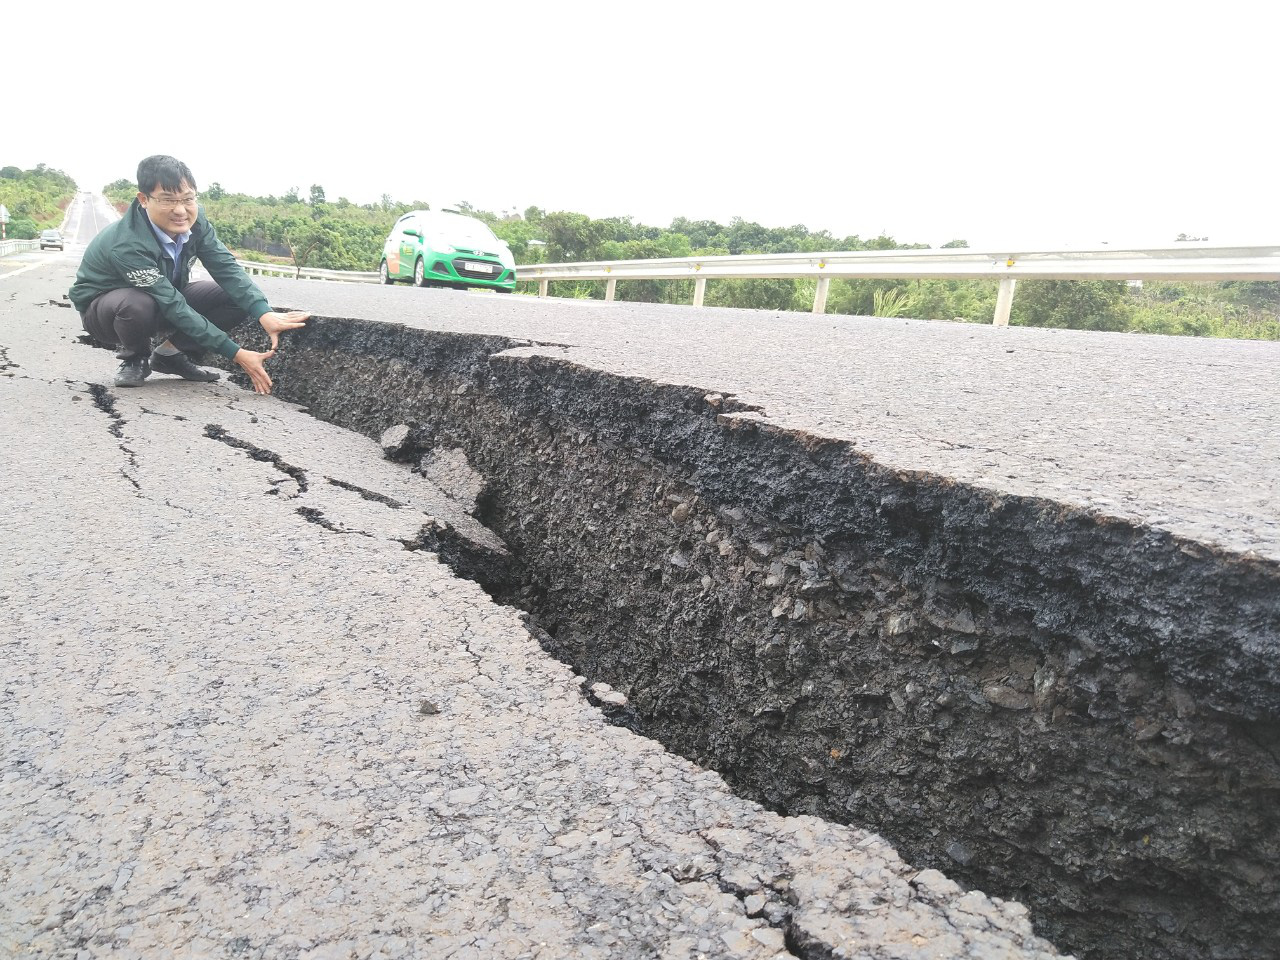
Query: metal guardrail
point(257, 269)
point(1184, 262)
point(13, 246)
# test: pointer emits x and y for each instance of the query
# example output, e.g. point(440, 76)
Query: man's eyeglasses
point(168, 203)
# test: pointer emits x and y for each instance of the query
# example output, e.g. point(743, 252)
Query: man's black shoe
point(178, 363)
point(132, 372)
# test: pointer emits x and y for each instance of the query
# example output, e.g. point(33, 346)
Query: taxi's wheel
point(419, 274)
point(383, 273)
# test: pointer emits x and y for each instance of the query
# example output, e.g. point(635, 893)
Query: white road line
point(32, 266)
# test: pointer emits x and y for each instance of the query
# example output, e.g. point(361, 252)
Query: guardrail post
point(1004, 301)
point(699, 291)
point(542, 287)
point(820, 295)
point(610, 287)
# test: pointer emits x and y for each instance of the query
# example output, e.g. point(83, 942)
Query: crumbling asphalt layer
point(1062, 702)
point(228, 729)
point(1175, 433)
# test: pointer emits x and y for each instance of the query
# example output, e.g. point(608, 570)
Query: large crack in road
point(1044, 702)
point(1041, 700)
point(227, 731)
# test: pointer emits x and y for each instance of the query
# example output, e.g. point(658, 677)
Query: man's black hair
point(166, 172)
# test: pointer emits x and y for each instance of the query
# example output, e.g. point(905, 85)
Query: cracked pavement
point(228, 729)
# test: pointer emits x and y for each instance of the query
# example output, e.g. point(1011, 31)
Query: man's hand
point(277, 323)
point(252, 363)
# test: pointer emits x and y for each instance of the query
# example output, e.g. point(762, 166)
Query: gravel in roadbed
point(239, 719)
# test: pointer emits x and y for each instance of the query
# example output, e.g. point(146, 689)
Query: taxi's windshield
point(455, 229)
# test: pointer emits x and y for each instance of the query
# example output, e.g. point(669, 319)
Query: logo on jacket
point(143, 278)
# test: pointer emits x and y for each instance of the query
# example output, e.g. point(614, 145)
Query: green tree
point(571, 237)
point(1078, 304)
point(966, 300)
point(1257, 294)
point(306, 239)
point(754, 294)
point(518, 235)
point(39, 195)
point(22, 228)
point(121, 192)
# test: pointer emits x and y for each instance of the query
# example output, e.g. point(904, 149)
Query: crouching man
point(134, 284)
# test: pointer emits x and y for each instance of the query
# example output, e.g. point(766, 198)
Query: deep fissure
point(1046, 704)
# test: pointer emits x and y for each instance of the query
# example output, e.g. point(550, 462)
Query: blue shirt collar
point(171, 245)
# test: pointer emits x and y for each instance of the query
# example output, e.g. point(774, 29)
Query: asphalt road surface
point(238, 719)
point(87, 214)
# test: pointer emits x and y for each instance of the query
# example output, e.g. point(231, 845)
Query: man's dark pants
point(131, 317)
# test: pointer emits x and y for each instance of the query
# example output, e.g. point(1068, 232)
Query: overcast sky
point(1005, 124)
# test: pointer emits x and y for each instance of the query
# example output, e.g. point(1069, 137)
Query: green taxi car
point(442, 248)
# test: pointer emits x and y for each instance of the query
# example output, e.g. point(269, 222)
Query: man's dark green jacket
point(128, 254)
